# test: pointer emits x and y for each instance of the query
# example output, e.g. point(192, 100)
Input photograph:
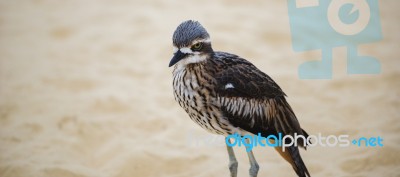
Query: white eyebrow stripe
point(207, 40)
point(186, 50)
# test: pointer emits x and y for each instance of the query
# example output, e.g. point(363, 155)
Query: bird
point(226, 94)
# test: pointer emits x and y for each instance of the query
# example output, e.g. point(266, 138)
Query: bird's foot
point(253, 171)
point(233, 165)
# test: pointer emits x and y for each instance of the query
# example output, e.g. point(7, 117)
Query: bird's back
point(228, 89)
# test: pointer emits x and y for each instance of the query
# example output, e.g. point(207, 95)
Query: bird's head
point(192, 44)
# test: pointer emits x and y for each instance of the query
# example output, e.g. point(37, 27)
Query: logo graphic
point(310, 141)
point(280, 140)
point(326, 24)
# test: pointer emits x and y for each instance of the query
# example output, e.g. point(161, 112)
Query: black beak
point(178, 56)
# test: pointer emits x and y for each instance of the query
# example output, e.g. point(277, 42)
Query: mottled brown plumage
point(226, 94)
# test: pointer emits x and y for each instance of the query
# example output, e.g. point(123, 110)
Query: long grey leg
point(253, 163)
point(233, 164)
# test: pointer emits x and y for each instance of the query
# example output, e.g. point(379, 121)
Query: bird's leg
point(253, 163)
point(233, 164)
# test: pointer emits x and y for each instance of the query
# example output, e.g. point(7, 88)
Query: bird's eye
point(197, 46)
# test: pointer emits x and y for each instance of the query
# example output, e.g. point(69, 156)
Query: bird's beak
point(178, 56)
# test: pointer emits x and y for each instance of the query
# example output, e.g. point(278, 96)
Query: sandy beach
point(86, 91)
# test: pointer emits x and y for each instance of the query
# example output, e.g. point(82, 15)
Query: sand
point(85, 91)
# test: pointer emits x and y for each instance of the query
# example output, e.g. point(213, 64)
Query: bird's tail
point(292, 155)
point(285, 122)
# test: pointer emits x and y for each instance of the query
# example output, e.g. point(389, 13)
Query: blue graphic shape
point(346, 14)
point(312, 30)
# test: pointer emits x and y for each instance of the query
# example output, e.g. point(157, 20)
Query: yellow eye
point(197, 46)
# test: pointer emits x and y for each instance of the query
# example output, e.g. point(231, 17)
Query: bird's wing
point(251, 100)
